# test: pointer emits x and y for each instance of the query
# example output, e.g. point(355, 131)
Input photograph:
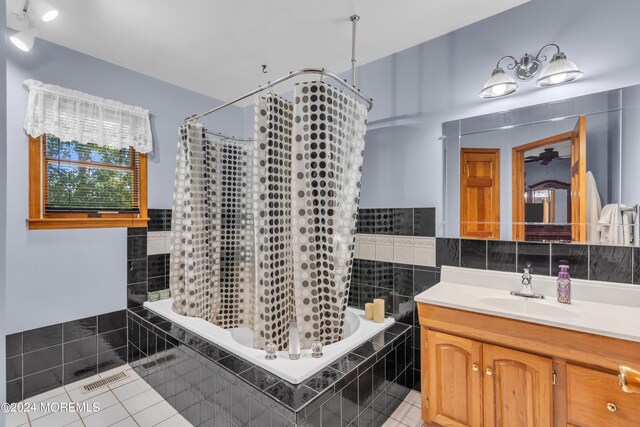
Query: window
point(74, 185)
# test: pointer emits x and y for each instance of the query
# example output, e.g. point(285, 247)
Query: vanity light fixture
point(41, 9)
point(559, 70)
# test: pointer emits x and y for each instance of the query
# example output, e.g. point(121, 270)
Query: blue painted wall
point(418, 89)
point(3, 204)
point(59, 275)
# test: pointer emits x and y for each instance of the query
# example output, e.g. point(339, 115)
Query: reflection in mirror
point(549, 188)
point(558, 172)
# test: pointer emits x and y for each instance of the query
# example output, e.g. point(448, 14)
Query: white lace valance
point(72, 115)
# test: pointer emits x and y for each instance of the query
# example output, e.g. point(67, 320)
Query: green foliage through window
point(87, 177)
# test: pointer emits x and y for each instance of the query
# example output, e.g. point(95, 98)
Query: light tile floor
point(127, 403)
point(132, 402)
point(408, 414)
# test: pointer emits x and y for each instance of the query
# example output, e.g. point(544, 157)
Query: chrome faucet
point(527, 290)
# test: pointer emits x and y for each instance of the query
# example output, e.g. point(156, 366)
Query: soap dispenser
point(564, 285)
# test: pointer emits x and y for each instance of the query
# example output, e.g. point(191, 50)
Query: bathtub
point(238, 341)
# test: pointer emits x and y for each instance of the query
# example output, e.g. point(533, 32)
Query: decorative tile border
point(45, 358)
point(397, 249)
point(210, 386)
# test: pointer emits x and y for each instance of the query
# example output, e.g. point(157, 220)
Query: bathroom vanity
point(493, 359)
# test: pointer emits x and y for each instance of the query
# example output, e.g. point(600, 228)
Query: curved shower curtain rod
point(291, 75)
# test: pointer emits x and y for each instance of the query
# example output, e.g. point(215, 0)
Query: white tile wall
point(158, 242)
point(384, 248)
point(398, 249)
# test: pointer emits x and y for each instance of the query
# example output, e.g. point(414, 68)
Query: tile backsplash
point(148, 257)
point(395, 258)
point(594, 262)
point(42, 359)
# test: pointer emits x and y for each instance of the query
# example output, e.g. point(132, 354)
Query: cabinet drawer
point(594, 398)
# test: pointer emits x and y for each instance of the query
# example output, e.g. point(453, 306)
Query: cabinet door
point(455, 380)
point(517, 388)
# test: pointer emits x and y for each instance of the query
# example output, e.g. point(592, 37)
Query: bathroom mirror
point(556, 172)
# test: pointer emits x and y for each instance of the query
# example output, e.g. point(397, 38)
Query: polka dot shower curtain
point(264, 234)
point(212, 230)
point(307, 169)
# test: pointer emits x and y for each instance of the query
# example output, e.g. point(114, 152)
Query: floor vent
point(88, 388)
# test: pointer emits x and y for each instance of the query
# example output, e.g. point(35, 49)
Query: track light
point(44, 10)
point(559, 70)
point(23, 40)
point(39, 10)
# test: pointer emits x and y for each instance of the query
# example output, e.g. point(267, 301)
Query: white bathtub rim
point(281, 367)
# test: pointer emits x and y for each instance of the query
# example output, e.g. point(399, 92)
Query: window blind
point(90, 178)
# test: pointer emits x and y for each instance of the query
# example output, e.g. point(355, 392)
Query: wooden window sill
point(65, 223)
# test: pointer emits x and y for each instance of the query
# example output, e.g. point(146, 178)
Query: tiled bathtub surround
point(395, 259)
point(42, 359)
point(211, 387)
point(594, 262)
point(148, 257)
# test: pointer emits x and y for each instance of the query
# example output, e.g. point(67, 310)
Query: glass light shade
point(23, 40)
point(50, 16)
point(560, 70)
point(44, 10)
point(499, 84)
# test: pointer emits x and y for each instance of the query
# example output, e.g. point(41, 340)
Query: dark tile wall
point(159, 220)
point(42, 359)
point(146, 273)
point(211, 387)
point(419, 222)
point(158, 272)
point(595, 262)
point(396, 283)
point(136, 266)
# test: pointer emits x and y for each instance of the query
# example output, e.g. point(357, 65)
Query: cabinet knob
point(612, 407)
point(488, 371)
point(475, 367)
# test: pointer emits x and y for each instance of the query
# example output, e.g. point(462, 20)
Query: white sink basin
point(527, 306)
point(602, 308)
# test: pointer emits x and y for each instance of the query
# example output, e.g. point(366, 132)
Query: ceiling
point(217, 47)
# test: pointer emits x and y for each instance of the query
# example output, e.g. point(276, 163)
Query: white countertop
point(602, 308)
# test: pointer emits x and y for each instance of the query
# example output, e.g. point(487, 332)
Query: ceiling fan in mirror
point(546, 157)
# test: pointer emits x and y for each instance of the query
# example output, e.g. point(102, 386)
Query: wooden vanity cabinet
point(481, 370)
point(471, 383)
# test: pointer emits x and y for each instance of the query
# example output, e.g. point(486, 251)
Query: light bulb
point(23, 40)
point(50, 15)
point(558, 78)
point(44, 10)
point(499, 89)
